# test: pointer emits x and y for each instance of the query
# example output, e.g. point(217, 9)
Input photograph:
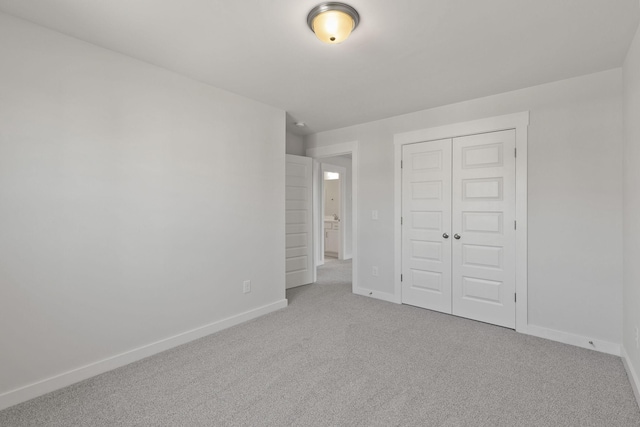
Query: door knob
point(456, 236)
point(445, 235)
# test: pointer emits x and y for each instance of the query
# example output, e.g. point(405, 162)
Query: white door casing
point(518, 122)
point(337, 150)
point(458, 232)
point(298, 220)
point(426, 206)
point(484, 269)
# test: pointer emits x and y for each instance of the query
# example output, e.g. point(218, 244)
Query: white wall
point(128, 204)
point(331, 197)
point(575, 197)
point(632, 207)
point(294, 144)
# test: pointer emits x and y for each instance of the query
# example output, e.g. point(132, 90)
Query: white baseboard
point(22, 394)
point(537, 331)
point(384, 296)
point(572, 339)
point(632, 374)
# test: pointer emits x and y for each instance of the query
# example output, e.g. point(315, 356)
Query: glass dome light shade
point(333, 26)
point(332, 22)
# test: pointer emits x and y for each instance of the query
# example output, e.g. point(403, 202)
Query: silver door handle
point(445, 235)
point(456, 236)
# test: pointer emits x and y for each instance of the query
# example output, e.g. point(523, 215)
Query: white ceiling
point(406, 55)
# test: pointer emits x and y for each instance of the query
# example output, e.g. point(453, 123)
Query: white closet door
point(426, 207)
point(483, 219)
point(298, 219)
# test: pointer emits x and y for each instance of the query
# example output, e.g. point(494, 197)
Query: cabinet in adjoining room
point(332, 237)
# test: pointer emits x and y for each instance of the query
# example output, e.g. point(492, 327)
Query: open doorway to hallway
point(341, 158)
point(334, 207)
point(334, 259)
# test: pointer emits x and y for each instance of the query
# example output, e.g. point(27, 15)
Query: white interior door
point(484, 227)
point(458, 232)
point(426, 207)
point(298, 218)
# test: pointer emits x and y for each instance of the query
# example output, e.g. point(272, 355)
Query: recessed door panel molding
point(431, 161)
point(296, 217)
point(482, 256)
point(489, 155)
point(482, 291)
point(421, 250)
point(299, 240)
point(483, 200)
point(426, 281)
point(486, 189)
point(429, 190)
point(296, 264)
point(426, 206)
point(298, 221)
point(296, 252)
point(297, 194)
point(426, 220)
point(483, 222)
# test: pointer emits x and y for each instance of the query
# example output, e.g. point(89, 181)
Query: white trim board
point(22, 394)
point(384, 296)
point(572, 339)
point(632, 374)
point(338, 150)
point(517, 121)
point(318, 245)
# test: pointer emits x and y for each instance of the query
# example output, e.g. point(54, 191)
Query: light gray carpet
point(334, 272)
point(334, 358)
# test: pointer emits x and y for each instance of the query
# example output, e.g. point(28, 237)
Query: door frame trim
point(337, 150)
point(520, 123)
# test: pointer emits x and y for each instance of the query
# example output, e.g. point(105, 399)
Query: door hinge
point(515, 297)
point(401, 277)
point(401, 165)
point(515, 225)
point(515, 152)
point(401, 221)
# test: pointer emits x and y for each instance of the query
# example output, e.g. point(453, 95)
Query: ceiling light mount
point(332, 22)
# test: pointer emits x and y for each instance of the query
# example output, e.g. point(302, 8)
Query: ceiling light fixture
point(332, 22)
point(300, 124)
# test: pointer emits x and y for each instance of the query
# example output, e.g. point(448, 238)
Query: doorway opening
point(335, 221)
point(335, 209)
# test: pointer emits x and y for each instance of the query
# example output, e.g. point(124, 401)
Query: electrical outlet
point(374, 215)
point(375, 271)
point(246, 286)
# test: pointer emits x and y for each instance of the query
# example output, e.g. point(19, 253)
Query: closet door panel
point(483, 215)
point(426, 207)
